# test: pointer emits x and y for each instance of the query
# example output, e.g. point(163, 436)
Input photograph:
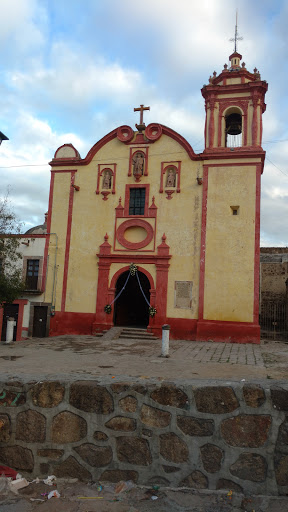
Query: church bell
point(234, 124)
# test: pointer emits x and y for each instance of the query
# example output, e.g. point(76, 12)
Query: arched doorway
point(131, 309)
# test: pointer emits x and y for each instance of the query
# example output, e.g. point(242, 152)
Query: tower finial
point(236, 37)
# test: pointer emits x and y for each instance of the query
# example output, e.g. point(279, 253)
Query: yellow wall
point(230, 244)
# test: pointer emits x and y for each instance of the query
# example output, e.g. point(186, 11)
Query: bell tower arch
point(234, 103)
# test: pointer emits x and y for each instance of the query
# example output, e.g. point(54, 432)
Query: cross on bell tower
point(140, 127)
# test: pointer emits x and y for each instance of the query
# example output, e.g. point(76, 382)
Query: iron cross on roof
point(141, 126)
point(236, 37)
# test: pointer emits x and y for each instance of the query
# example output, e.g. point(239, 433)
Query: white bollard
point(165, 340)
point(10, 329)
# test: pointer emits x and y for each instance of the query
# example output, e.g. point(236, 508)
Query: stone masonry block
point(96, 456)
point(170, 395)
point(195, 426)
point(215, 399)
point(211, 456)
point(31, 427)
point(50, 453)
point(100, 436)
point(173, 449)
point(47, 394)
point(121, 423)
point(196, 480)
point(254, 395)
point(133, 450)
point(128, 404)
point(67, 427)
point(17, 457)
point(10, 398)
point(5, 428)
point(281, 469)
point(70, 468)
point(153, 417)
point(250, 466)
point(90, 397)
point(246, 430)
point(279, 397)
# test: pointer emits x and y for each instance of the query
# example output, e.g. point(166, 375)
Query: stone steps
point(100, 334)
point(136, 334)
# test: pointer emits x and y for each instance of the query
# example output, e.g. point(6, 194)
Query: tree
point(11, 281)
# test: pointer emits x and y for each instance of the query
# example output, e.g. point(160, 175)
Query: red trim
point(134, 223)
point(153, 131)
point(68, 237)
point(77, 155)
point(127, 199)
point(71, 323)
point(112, 135)
point(117, 274)
point(203, 242)
point(21, 303)
point(48, 230)
point(125, 133)
point(257, 246)
point(228, 332)
point(78, 161)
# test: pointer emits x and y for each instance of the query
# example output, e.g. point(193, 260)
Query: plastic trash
point(4, 485)
point(50, 480)
point(8, 472)
point(20, 483)
point(53, 494)
point(124, 486)
point(154, 498)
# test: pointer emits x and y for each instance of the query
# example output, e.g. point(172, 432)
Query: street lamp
point(2, 137)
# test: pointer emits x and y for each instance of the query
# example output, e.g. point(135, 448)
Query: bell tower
point(232, 168)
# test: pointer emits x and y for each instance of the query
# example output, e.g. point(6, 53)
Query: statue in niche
point(171, 178)
point(106, 180)
point(138, 164)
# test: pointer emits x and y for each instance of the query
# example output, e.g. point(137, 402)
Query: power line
point(278, 168)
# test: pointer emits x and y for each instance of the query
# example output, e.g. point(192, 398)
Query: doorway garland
point(132, 272)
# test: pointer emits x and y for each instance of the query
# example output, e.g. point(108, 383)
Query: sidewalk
point(86, 356)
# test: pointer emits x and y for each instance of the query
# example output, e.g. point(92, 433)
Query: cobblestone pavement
point(80, 497)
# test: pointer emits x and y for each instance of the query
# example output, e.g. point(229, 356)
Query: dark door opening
point(39, 321)
point(131, 309)
point(10, 310)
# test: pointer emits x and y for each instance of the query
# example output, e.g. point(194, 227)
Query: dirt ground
point(125, 497)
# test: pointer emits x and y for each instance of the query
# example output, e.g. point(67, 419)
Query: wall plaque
point(183, 294)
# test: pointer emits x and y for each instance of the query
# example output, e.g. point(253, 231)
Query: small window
point(137, 201)
point(32, 274)
point(235, 210)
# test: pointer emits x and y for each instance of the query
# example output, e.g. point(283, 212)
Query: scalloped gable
point(67, 161)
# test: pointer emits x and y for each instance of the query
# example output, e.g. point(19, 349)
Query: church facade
point(189, 223)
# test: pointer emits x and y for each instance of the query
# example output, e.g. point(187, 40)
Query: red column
point(211, 123)
point(101, 317)
point(162, 267)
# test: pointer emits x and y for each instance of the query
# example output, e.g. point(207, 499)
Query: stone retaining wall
point(222, 436)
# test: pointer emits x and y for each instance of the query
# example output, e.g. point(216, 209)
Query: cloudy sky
point(71, 71)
